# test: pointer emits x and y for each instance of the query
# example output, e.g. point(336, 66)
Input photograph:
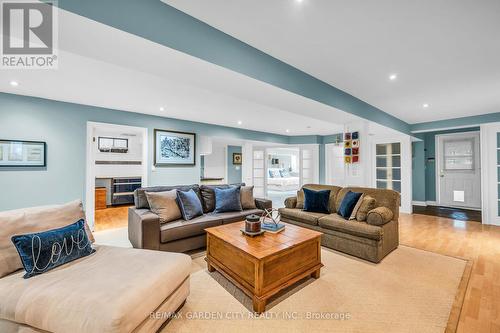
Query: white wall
point(118, 170)
point(215, 163)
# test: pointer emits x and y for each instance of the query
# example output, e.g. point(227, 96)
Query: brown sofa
point(146, 232)
point(360, 239)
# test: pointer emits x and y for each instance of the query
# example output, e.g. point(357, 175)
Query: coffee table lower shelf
point(263, 275)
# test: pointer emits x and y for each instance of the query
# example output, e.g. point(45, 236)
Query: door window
point(458, 154)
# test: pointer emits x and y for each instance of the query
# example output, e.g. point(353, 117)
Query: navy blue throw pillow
point(227, 200)
point(348, 203)
point(189, 204)
point(316, 201)
point(43, 251)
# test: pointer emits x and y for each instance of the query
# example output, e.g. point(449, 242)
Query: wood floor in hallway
point(471, 240)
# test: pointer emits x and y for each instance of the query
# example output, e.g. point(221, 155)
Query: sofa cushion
point(112, 291)
point(355, 228)
point(367, 203)
point(230, 217)
point(316, 201)
point(30, 220)
point(208, 195)
point(301, 216)
point(141, 201)
point(42, 251)
point(246, 197)
point(189, 204)
point(348, 203)
point(181, 229)
point(383, 197)
point(379, 216)
point(164, 204)
point(227, 199)
point(317, 187)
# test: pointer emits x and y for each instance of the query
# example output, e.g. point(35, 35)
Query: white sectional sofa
point(113, 290)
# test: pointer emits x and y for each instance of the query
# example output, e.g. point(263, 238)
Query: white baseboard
point(431, 203)
point(419, 203)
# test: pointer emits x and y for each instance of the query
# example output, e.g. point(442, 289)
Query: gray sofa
point(363, 239)
point(146, 232)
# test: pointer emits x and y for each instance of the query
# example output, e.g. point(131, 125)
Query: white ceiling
point(446, 52)
point(106, 67)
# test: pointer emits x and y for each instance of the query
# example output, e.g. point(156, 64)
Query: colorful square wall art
point(347, 159)
point(347, 136)
point(355, 159)
point(355, 143)
point(348, 152)
point(347, 144)
point(355, 151)
point(355, 135)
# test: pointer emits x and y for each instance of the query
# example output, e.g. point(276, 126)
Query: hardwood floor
point(480, 243)
point(452, 213)
point(111, 218)
point(472, 240)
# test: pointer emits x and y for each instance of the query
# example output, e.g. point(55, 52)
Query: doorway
point(282, 174)
point(116, 164)
point(458, 170)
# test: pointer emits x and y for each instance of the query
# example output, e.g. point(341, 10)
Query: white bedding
point(283, 184)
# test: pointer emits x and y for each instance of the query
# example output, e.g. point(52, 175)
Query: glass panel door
point(259, 173)
point(388, 166)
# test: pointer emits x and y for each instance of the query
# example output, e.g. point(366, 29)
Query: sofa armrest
point(291, 202)
point(143, 229)
point(263, 204)
point(379, 216)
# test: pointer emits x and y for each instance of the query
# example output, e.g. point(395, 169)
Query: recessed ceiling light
point(162, 108)
point(393, 77)
point(240, 122)
point(14, 83)
point(425, 105)
point(299, 1)
point(287, 130)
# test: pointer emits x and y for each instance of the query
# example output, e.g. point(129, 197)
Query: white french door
point(334, 164)
point(259, 173)
point(458, 170)
point(490, 173)
point(309, 164)
point(392, 167)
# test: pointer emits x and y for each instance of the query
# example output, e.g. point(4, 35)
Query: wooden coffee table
point(263, 265)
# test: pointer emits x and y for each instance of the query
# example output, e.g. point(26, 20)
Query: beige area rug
point(411, 290)
point(113, 237)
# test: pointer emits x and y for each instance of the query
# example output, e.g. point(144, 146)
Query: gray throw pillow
point(246, 197)
point(189, 204)
point(164, 204)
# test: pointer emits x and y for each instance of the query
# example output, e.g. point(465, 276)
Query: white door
point(309, 164)
point(334, 164)
point(458, 170)
point(259, 173)
point(490, 173)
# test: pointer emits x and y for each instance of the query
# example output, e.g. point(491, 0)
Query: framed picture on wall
point(237, 158)
point(174, 148)
point(23, 153)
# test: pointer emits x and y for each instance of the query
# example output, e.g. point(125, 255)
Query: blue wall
point(233, 171)
point(64, 127)
point(424, 164)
